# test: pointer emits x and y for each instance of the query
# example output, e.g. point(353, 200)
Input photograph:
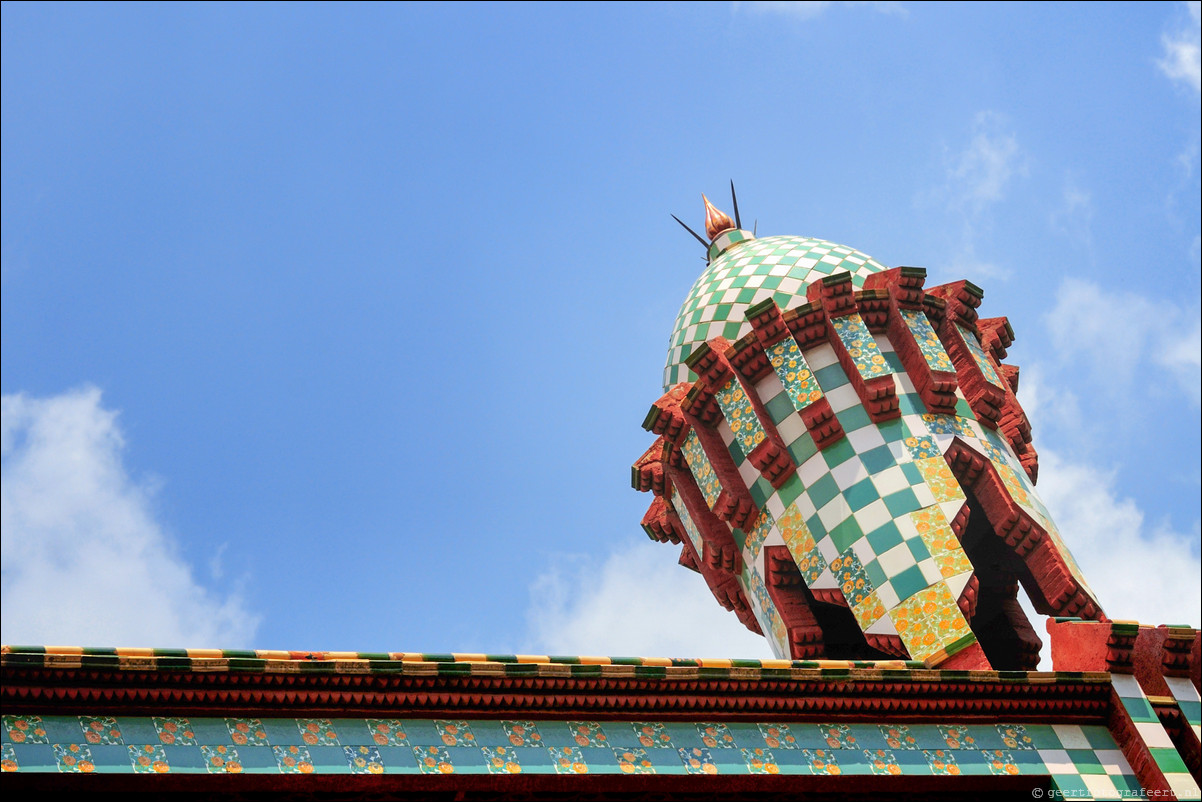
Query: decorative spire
point(716, 221)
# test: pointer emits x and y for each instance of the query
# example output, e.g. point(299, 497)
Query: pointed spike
point(691, 231)
point(755, 227)
point(735, 202)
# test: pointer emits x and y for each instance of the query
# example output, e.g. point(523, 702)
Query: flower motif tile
point(698, 760)
point(1000, 761)
point(148, 759)
point(26, 729)
point(364, 759)
point(293, 759)
point(1015, 736)
point(898, 736)
point(568, 760)
point(768, 616)
point(928, 621)
point(760, 761)
point(957, 737)
point(247, 731)
point(690, 528)
point(947, 424)
point(778, 736)
point(755, 538)
point(633, 761)
point(433, 760)
point(174, 731)
point(868, 610)
point(980, 357)
point(801, 544)
point(740, 415)
point(860, 345)
point(8, 758)
point(317, 731)
point(937, 535)
point(221, 759)
point(73, 758)
point(652, 734)
point(798, 380)
point(522, 733)
point(1014, 485)
point(882, 761)
point(838, 736)
point(939, 478)
point(588, 733)
point(715, 735)
point(928, 341)
point(700, 467)
point(100, 729)
point(501, 759)
point(821, 761)
point(387, 731)
point(455, 733)
point(852, 578)
point(923, 446)
point(941, 761)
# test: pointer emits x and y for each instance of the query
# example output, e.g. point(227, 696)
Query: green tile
point(1098, 736)
point(1071, 786)
point(877, 459)
point(912, 474)
point(761, 489)
point(802, 448)
point(779, 407)
point(894, 361)
point(1168, 759)
point(830, 377)
point(908, 582)
point(838, 453)
point(911, 404)
point(963, 410)
point(918, 549)
point(790, 490)
point(893, 430)
point(853, 418)
point(876, 574)
point(1085, 761)
point(884, 538)
point(901, 502)
point(736, 453)
point(861, 494)
point(845, 534)
point(817, 529)
point(1141, 712)
point(823, 491)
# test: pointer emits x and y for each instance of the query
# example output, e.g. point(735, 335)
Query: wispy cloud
point(1116, 333)
point(85, 562)
point(803, 10)
point(1074, 216)
point(636, 601)
point(1182, 58)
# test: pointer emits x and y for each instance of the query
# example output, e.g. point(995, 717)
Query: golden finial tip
point(716, 221)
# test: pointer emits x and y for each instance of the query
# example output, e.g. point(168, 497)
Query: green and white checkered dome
point(747, 272)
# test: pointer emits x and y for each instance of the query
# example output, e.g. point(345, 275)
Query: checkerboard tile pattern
point(1154, 736)
point(870, 514)
point(1080, 757)
point(746, 273)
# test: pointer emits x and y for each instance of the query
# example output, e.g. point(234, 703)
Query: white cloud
point(84, 560)
point(803, 9)
point(978, 175)
point(637, 601)
point(1182, 60)
point(1141, 572)
point(1074, 216)
point(1118, 332)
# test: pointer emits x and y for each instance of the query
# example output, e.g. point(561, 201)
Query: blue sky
point(332, 327)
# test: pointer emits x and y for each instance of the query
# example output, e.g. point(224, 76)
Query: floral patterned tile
point(778, 736)
point(522, 733)
point(652, 734)
point(455, 733)
point(700, 467)
point(882, 761)
point(939, 478)
point(174, 731)
point(317, 731)
point(898, 736)
point(433, 760)
point(73, 758)
point(740, 415)
point(821, 761)
point(364, 759)
point(838, 736)
point(387, 732)
point(633, 761)
point(795, 375)
point(148, 759)
point(293, 759)
point(760, 761)
point(928, 341)
point(26, 729)
point(588, 733)
point(247, 731)
point(801, 544)
point(941, 761)
point(221, 759)
point(100, 730)
point(980, 357)
point(716, 735)
point(568, 760)
point(501, 760)
point(861, 346)
point(698, 760)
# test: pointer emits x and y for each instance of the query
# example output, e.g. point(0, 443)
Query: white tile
point(805, 505)
point(874, 516)
point(903, 383)
point(956, 583)
point(1057, 761)
point(849, 472)
point(825, 581)
point(789, 286)
point(865, 439)
point(1101, 786)
point(812, 470)
point(1071, 736)
point(890, 480)
point(1183, 786)
point(775, 506)
point(842, 398)
point(820, 356)
point(791, 428)
point(863, 550)
point(883, 343)
point(723, 429)
point(1153, 734)
point(748, 472)
point(769, 387)
point(924, 495)
point(889, 600)
point(1183, 690)
point(1113, 761)
point(834, 513)
point(1126, 685)
point(930, 572)
point(827, 549)
point(896, 560)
